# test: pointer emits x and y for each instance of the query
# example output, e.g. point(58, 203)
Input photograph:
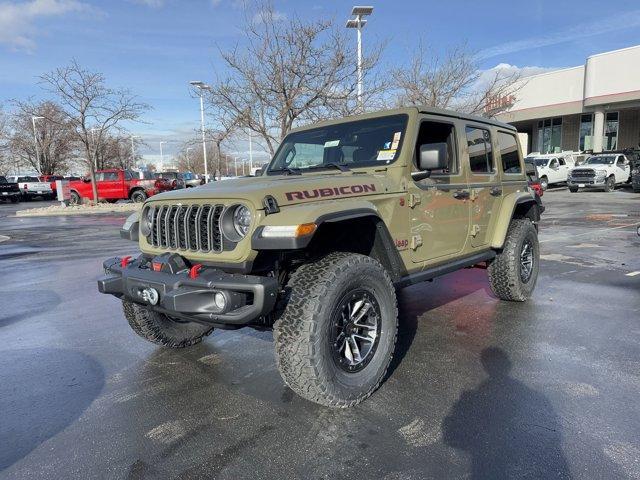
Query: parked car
point(605, 171)
point(9, 190)
point(114, 185)
point(31, 187)
point(635, 177)
point(173, 178)
point(51, 180)
point(534, 183)
point(191, 179)
point(552, 168)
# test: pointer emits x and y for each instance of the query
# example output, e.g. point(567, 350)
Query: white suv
point(552, 168)
point(603, 171)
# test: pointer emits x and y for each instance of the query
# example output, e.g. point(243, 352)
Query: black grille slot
point(187, 227)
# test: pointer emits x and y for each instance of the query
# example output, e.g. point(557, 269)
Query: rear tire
point(162, 330)
point(339, 299)
point(74, 199)
point(138, 196)
point(509, 276)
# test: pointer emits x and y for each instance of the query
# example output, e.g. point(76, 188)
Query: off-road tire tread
point(504, 275)
point(296, 337)
point(155, 327)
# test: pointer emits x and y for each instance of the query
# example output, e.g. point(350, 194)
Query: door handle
point(495, 191)
point(461, 194)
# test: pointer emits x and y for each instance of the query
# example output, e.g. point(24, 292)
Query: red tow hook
point(195, 270)
point(124, 261)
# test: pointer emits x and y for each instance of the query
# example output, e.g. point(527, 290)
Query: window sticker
point(331, 143)
point(387, 145)
point(386, 154)
point(396, 140)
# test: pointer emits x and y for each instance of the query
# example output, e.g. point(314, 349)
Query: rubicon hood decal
point(330, 192)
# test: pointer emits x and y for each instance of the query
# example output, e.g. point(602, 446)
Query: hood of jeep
point(287, 190)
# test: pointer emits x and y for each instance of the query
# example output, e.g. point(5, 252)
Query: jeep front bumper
point(187, 297)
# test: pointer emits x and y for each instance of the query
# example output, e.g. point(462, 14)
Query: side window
point(621, 161)
point(128, 175)
point(436, 132)
point(110, 176)
point(554, 163)
point(480, 152)
point(509, 153)
point(562, 162)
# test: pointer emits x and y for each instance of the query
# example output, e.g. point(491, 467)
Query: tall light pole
point(358, 23)
point(235, 165)
point(161, 157)
point(35, 139)
point(250, 153)
point(202, 87)
point(133, 149)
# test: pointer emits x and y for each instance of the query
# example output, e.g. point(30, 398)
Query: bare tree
point(91, 108)
point(56, 146)
point(5, 163)
point(115, 152)
point(288, 72)
point(453, 80)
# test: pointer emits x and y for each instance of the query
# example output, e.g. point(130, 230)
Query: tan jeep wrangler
point(315, 247)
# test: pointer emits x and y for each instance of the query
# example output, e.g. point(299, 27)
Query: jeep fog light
point(288, 231)
point(220, 301)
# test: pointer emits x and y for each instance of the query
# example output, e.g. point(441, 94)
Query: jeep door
point(439, 204)
point(484, 181)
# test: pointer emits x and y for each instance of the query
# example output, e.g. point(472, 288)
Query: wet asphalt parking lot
point(479, 388)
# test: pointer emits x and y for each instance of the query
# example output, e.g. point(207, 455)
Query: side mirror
point(433, 156)
point(86, 179)
point(258, 173)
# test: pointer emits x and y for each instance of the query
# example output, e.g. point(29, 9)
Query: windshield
point(3, 180)
point(166, 175)
point(604, 160)
point(27, 179)
point(541, 162)
point(352, 144)
point(188, 176)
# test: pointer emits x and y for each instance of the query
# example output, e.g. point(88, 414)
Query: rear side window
point(480, 151)
point(509, 153)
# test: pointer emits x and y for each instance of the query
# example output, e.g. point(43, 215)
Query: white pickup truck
point(552, 168)
point(31, 187)
point(603, 171)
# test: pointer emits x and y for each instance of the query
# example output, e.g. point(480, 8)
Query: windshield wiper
point(339, 166)
point(288, 170)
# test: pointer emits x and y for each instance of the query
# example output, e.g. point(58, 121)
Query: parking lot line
point(561, 237)
point(633, 274)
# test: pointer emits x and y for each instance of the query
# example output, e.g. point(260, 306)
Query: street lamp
point(133, 149)
point(358, 23)
point(161, 157)
point(202, 87)
point(35, 139)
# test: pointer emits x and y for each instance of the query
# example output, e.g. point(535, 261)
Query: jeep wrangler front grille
point(187, 227)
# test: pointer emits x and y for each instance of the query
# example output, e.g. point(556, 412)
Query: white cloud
point(505, 70)
point(17, 20)
point(619, 21)
point(150, 3)
point(266, 16)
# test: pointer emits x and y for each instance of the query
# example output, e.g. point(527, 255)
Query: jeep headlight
point(146, 220)
point(236, 221)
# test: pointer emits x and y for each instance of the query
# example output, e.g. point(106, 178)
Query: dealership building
point(595, 106)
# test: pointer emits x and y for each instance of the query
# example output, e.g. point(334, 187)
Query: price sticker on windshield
point(386, 154)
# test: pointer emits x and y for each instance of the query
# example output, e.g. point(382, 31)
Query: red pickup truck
point(116, 185)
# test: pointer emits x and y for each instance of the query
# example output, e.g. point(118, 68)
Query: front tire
point(514, 271)
point(573, 189)
point(544, 183)
point(336, 337)
point(610, 184)
point(162, 330)
point(74, 199)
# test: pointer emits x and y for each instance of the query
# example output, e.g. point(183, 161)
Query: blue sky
point(155, 47)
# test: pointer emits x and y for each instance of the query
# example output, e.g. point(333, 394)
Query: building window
point(550, 135)
point(611, 131)
point(586, 132)
point(480, 152)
